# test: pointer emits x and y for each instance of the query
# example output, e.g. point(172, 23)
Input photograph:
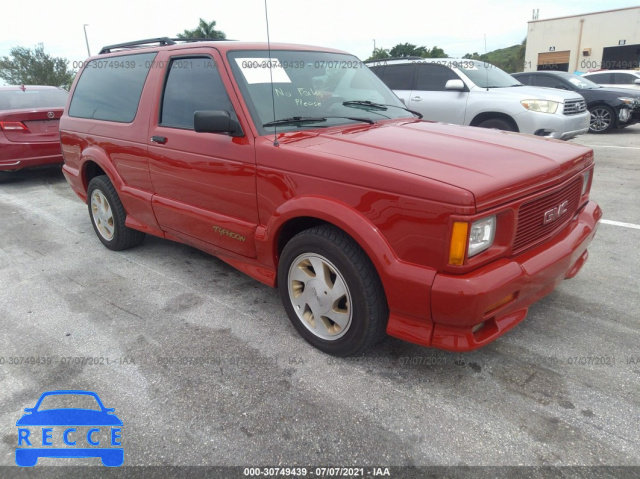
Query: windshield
point(485, 75)
point(30, 98)
point(311, 85)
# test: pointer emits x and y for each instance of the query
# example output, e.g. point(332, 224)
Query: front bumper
point(471, 310)
point(557, 125)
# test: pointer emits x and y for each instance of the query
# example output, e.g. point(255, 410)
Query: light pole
point(86, 39)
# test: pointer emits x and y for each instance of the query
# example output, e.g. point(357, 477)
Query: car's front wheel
point(108, 216)
point(332, 292)
point(602, 119)
point(497, 124)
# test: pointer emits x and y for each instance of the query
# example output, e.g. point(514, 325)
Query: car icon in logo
point(65, 432)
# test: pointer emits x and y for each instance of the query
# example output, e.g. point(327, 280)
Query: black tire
point(603, 119)
point(345, 264)
point(108, 216)
point(497, 124)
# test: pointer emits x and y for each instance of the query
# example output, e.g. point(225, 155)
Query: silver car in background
point(476, 93)
point(616, 78)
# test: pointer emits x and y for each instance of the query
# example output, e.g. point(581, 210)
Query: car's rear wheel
point(602, 119)
point(108, 216)
point(332, 292)
point(497, 124)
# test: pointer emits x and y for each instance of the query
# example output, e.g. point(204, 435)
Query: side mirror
point(454, 85)
point(637, 81)
point(216, 121)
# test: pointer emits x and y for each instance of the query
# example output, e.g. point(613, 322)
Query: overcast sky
point(459, 27)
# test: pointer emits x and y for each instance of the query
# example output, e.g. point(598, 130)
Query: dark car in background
point(610, 107)
point(29, 119)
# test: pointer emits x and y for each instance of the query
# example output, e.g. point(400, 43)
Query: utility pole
point(86, 39)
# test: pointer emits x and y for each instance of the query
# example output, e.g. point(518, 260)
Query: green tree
point(510, 59)
point(407, 50)
point(411, 50)
point(204, 30)
point(35, 67)
point(436, 52)
point(379, 54)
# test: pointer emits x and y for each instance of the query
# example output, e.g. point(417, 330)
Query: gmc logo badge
point(555, 213)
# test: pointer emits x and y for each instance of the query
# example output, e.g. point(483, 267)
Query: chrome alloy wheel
point(320, 296)
point(600, 119)
point(102, 215)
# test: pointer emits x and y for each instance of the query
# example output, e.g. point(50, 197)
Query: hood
point(495, 166)
point(628, 92)
point(526, 92)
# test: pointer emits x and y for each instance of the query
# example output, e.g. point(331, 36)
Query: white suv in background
point(616, 78)
point(475, 93)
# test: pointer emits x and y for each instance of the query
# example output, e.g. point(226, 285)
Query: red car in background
point(29, 119)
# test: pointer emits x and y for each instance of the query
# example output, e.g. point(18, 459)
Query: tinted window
point(110, 88)
point(600, 77)
point(434, 77)
point(549, 81)
point(526, 79)
point(398, 77)
point(623, 78)
point(193, 84)
point(32, 98)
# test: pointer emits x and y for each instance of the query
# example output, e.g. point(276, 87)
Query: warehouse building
point(593, 41)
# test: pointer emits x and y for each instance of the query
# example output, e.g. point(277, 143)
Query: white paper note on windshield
point(256, 70)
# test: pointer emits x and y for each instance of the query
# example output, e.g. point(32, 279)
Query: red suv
point(29, 117)
point(299, 167)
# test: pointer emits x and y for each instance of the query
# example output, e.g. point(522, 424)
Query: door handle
point(416, 98)
point(159, 139)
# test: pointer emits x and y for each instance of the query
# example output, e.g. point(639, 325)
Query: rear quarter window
point(110, 88)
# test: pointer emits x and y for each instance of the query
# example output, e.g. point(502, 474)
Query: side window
point(110, 88)
point(549, 81)
point(524, 79)
point(600, 77)
point(193, 84)
point(623, 78)
point(398, 77)
point(433, 77)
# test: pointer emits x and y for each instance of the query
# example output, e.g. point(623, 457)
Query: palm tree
point(204, 30)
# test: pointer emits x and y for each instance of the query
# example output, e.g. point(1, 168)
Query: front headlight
point(542, 106)
point(481, 235)
point(627, 101)
point(471, 239)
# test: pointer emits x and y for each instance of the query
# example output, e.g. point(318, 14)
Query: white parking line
point(618, 223)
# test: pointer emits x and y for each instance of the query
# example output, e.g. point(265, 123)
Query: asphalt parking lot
point(203, 367)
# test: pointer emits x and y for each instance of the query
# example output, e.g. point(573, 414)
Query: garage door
point(554, 61)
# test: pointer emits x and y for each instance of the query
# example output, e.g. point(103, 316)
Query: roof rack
point(160, 41)
point(393, 58)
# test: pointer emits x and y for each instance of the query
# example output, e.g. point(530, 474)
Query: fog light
point(624, 114)
point(507, 299)
point(477, 327)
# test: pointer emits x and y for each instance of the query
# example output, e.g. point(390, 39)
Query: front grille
point(573, 107)
point(531, 228)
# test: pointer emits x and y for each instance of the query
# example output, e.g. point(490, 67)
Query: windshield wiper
point(310, 119)
point(378, 106)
